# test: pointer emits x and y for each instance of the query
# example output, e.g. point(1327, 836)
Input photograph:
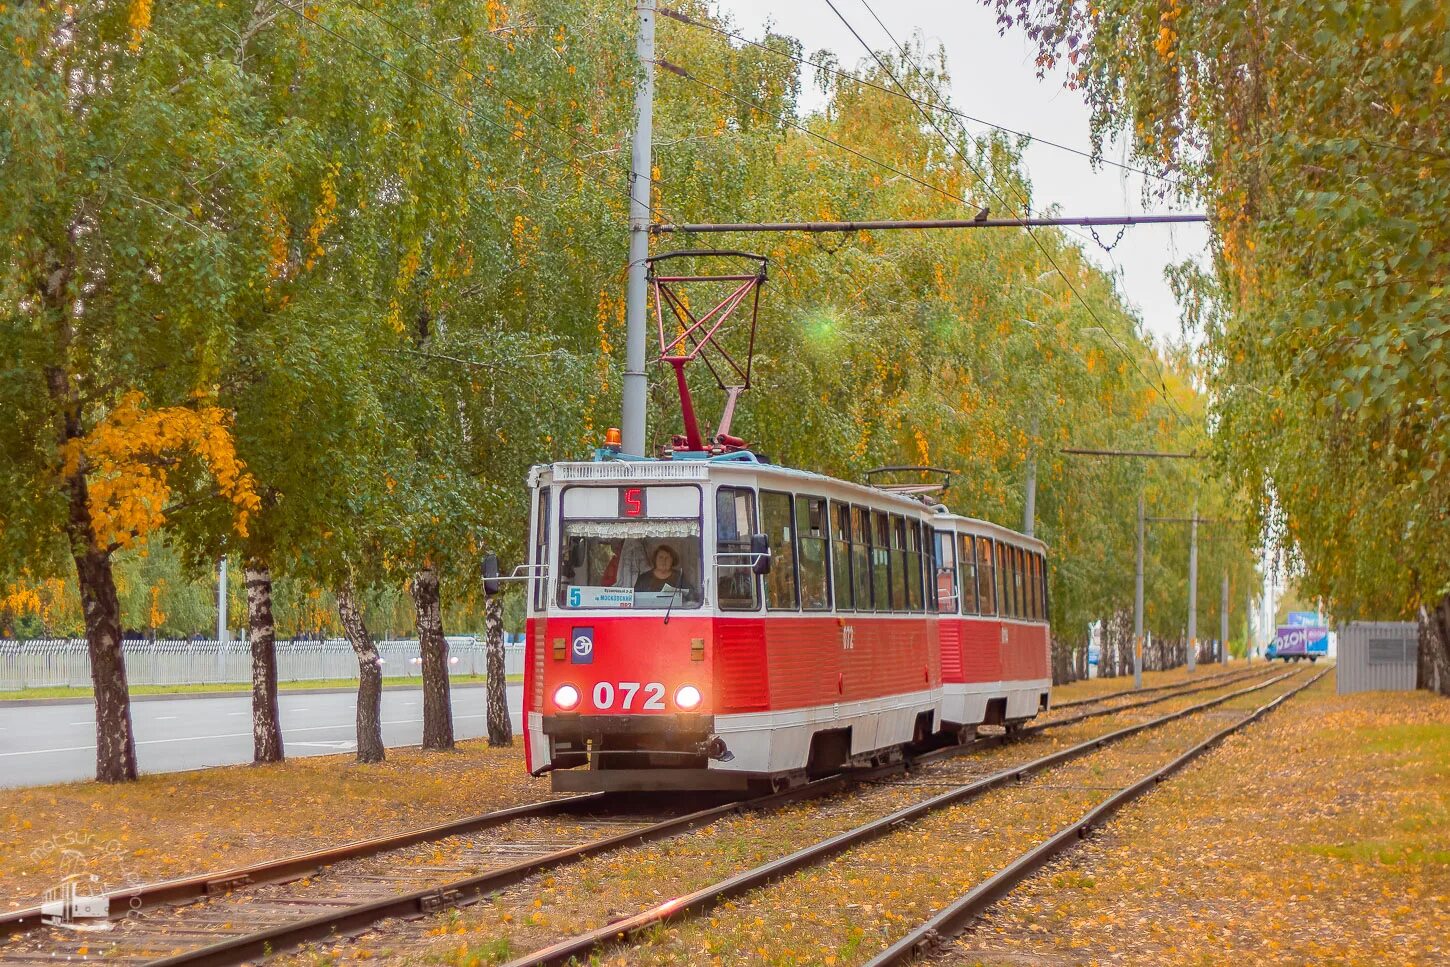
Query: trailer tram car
point(715, 622)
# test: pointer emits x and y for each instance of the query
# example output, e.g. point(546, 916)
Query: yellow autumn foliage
point(129, 456)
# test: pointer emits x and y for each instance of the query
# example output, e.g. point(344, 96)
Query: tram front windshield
point(630, 564)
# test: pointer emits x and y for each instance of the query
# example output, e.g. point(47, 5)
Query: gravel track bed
point(599, 890)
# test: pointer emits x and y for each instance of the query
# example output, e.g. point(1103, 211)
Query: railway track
point(1180, 689)
point(247, 913)
point(587, 944)
point(1124, 692)
point(929, 935)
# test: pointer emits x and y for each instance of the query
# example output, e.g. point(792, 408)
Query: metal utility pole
point(1193, 591)
point(636, 387)
point(1138, 603)
point(221, 602)
point(1223, 622)
point(1249, 625)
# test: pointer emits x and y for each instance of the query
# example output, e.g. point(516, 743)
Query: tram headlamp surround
point(566, 697)
point(687, 697)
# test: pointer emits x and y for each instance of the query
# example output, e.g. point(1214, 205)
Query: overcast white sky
point(994, 78)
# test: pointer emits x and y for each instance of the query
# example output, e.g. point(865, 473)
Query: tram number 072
point(605, 694)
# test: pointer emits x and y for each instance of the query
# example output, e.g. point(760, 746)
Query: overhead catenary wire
point(1162, 387)
point(784, 119)
point(754, 105)
point(867, 82)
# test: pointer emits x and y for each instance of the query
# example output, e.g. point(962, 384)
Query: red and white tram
point(658, 658)
point(711, 621)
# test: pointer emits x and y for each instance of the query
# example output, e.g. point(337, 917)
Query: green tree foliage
point(1319, 135)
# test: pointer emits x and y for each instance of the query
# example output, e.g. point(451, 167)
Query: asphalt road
point(57, 743)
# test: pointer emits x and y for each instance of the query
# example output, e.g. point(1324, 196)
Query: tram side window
point(539, 571)
point(967, 572)
point(1030, 579)
point(986, 600)
point(736, 586)
point(1046, 599)
point(913, 566)
point(1034, 584)
point(1041, 587)
point(881, 561)
point(1019, 586)
point(899, 600)
point(928, 566)
point(1014, 557)
point(861, 556)
point(778, 518)
point(946, 572)
point(1024, 579)
point(813, 553)
point(841, 584)
point(1024, 571)
point(1004, 576)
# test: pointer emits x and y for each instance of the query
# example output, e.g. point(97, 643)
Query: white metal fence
point(41, 663)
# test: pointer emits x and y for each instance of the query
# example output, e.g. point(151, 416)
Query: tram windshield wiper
point(674, 593)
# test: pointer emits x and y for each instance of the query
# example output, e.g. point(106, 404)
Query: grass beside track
point(1320, 836)
point(85, 694)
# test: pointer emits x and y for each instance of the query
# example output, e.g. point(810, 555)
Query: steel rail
point(294, 867)
point(1242, 673)
point(583, 945)
point(953, 918)
point(264, 943)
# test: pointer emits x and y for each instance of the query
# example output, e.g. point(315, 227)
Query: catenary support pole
point(1249, 624)
point(1193, 591)
point(221, 602)
point(1138, 604)
point(1223, 622)
point(635, 385)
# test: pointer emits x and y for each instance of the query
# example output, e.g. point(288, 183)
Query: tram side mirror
point(491, 584)
point(760, 553)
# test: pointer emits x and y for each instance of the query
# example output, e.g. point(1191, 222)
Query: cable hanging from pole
point(1162, 387)
point(925, 223)
point(866, 82)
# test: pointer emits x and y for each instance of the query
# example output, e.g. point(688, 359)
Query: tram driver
point(664, 572)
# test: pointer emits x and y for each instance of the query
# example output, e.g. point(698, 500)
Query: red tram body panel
point(659, 658)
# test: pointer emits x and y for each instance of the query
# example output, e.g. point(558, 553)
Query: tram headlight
point(687, 697)
point(566, 697)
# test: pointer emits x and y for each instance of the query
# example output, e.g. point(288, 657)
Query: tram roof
point(744, 463)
